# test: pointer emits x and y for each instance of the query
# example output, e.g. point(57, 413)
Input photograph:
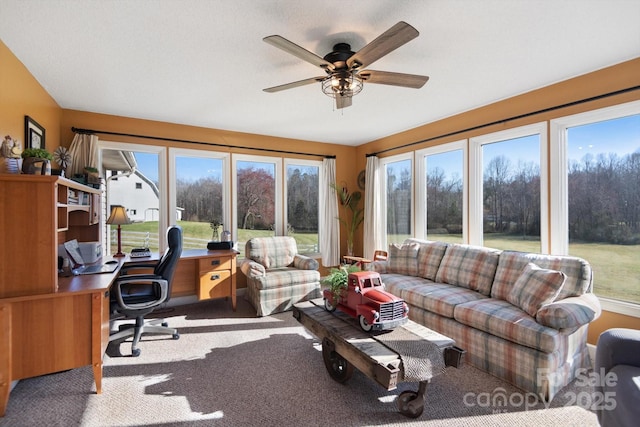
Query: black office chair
point(136, 295)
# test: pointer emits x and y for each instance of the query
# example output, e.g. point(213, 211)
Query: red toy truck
point(366, 299)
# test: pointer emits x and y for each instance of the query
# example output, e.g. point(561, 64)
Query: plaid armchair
point(277, 276)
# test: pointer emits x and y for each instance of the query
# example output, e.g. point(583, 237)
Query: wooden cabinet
point(38, 213)
point(47, 323)
point(207, 274)
point(215, 277)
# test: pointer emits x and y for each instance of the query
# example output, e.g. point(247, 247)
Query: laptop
point(78, 267)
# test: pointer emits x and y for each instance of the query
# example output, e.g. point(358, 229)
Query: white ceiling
point(203, 63)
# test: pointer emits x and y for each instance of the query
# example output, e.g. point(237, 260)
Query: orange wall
point(21, 94)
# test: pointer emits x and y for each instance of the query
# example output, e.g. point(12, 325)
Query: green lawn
point(197, 234)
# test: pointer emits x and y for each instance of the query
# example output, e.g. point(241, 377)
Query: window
point(257, 181)
point(302, 197)
point(597, 202)
point(440, 207)
point(130, 165)
point(398, 185)
point(506, 209)
point(138, 185)
point(198, 194)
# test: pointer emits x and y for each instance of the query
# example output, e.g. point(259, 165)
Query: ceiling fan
point(345, 73)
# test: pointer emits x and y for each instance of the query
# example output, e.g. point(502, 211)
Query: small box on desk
point(90, 251)
point(219, 246)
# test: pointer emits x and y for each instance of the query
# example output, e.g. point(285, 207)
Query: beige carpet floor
point(233, 369)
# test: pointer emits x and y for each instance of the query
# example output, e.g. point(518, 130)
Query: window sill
point(620, 307)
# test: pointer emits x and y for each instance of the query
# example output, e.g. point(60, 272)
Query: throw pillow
point(570, 313)
point(403, 259)
point(535, 287)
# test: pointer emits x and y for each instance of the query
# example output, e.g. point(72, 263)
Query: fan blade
point(343, 101)
point(388, 41)
point(295, 84)
point(300, 52)
point(394, 79)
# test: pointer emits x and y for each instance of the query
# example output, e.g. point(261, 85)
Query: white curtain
point(375, 218)
point(329, 227)
point(84, 152)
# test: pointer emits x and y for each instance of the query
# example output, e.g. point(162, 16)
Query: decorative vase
point(349, 247)
point(215, 237)
point(36, 166)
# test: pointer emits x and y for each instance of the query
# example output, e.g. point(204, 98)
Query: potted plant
point(354, 214)
point(36, 161)
point(336, 280)
point(91, 175)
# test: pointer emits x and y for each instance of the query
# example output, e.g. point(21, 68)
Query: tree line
point(604, 199)
point(201, 200)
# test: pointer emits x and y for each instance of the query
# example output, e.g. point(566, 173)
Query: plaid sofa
point(277, 276)
point(522, 317)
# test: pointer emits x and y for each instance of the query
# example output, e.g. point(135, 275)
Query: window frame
point(285, 209)
point(161, 152)
point(278, 192)
point(421, 185)
point(559, 197)
point(476, 174)
point(214, 155)
point(384, 162)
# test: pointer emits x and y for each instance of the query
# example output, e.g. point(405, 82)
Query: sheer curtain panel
point(375, 218)
point(84, 152)
point(329, 228)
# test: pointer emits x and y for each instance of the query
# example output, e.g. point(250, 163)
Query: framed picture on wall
point(33, 133)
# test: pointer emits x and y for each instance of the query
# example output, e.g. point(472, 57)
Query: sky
point(621, 136)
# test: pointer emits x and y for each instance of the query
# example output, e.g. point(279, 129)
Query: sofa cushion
point(403, 259)
point(472, 267)
point(397, 283)
point(570, 313)
point(439, 298)
point(429, 257)
point(272, 252)
point(286, 277)
point(511, 264)
point(504, 320)
point(535, 287)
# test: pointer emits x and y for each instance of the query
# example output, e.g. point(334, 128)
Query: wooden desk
point(45, 333)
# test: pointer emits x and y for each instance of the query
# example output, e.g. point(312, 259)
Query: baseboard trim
point(191, 299)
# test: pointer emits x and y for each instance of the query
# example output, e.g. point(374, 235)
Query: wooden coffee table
point(345, 346)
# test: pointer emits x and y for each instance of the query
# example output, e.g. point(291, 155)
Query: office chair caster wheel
point(176, 336)
point(135, 352)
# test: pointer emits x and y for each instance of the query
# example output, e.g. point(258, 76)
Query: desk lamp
point(118, 217)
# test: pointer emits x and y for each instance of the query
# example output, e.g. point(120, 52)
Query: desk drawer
point(217, 263)
point(214, 284)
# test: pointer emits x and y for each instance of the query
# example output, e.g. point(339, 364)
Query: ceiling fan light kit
point(345, 74)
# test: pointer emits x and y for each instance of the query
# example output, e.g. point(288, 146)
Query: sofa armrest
point(252, 269)
point(378, 266)
point(570, 313)
point(618, 346)
point(302, 262)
